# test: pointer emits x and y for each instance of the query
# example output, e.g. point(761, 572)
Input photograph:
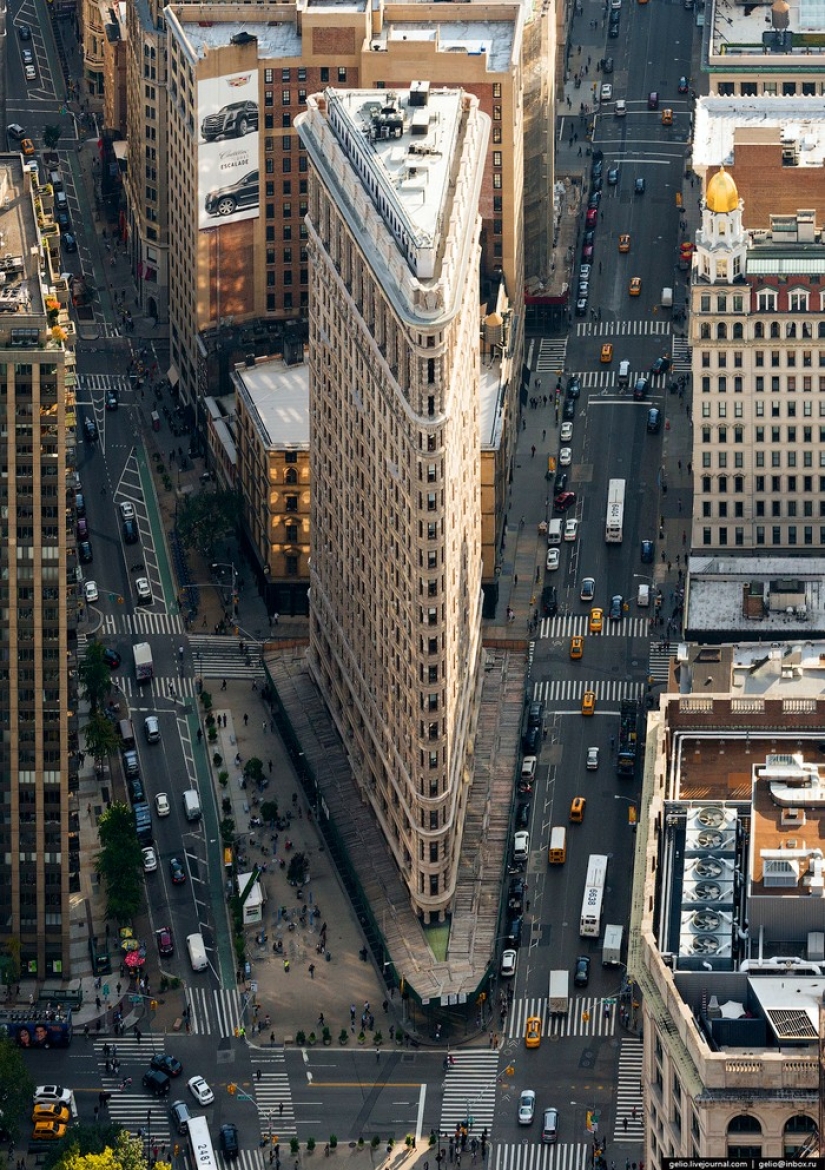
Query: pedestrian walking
point(624, 1127)
point(258, 1074)
point(223, 685)
point(137, 1034)
point(515, 579)
point(533, 452)
point(311, 969)
point(684, 537)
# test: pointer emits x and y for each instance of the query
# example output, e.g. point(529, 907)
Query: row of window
point(792, 484)
point(791, 509)
point(780, 536)
point(806, 384)
point(771, 88)
point(806, 358)
point(793, 329)
point(759, 411)
point(798, 300)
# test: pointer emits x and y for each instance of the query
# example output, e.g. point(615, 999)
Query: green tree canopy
point(206, 518)
point(120, 863)
point(100, 736)
point(16, 1086)
point(99, 1147)
point(253, 769)
point(95, 679)
point(51, 136)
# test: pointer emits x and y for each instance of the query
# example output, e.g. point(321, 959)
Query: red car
point(165, 944)
point(592, 217)
point(563, 501)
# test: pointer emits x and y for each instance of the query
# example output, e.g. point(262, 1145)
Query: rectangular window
point(285, 97)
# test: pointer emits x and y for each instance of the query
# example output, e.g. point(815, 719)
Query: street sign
point(135, 998)
point(105, 990)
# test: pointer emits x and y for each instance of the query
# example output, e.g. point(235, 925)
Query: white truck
point(144, 667)
point(667, 298)
point(612, 946)
point(559, 998)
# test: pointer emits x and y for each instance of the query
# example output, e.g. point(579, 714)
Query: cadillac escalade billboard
point(228, 187)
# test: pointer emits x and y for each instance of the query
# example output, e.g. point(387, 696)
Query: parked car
point(143, 590)
point(508, 963)
point(150, 859)
point(647, 552)
point(553, 560)
point(166, 945)
point(563, 501)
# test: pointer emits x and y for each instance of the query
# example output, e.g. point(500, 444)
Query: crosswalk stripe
point(470, 1086)
point(577, 623)
point(218, 656)
point(552, 355)
point(274, 1096)
point(629, 1112)
point(214, 1011)
point(184, 688)
point(146, 622)
point(534, 1155)
point(571, 690)
point(127, 1107)
point(659, 661)
point(597, 1023)
point(622, 328)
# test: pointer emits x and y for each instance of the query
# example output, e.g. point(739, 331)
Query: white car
point(565, 457)
point(143, 589)
point(53, 1095)
point(508, 963)
point(201, 1091)
point(91, 591)
point(566, 433)
point(571, 529)
point(31, 73)
point(150, 859)
point(526, 1107)
point(162, 806)
point(521, 846)
point(127, 511)
point(588, 589)
point(553, 558)
point(528, 769)
point(606, 92)
point(592, 759)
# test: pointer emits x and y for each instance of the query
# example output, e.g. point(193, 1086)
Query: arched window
point(759, 329)
point(744, 1132)
point(774, 329)
point(721, 331)
point(291, 475)
point(738, 331)
point(704, 331)
point(798, 1131)
point(820, 332)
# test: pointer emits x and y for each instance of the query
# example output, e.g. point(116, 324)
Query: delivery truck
point(144, 667)
point(612, 946)
point(559, 993)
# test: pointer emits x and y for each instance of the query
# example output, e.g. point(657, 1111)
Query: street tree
point(16, 1087)
point(100, 736)
point(100, 1147)
point(205, 518)
point(298, 869)
point(52, 135)
point(253, 769)
point(120, 863)
point(95, 679)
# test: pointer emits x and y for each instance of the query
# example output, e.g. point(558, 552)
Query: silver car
point(526, 1107)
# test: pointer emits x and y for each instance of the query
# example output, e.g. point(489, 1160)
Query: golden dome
point(721, 195)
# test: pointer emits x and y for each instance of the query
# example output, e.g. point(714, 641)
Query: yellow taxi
point(635, 286)
point(624, 242)
point(589, 703)
point(48, 1131)
point(667, 117)
point(27, 146)
point(596, 620)
point(49, 1112)
point(576, 646)
point(607, 352)
point(532, 1032)
point(577, 806)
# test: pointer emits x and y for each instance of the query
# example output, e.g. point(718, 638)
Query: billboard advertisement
point(228, 186)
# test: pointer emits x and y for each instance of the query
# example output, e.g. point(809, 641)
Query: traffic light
point(153, 1004)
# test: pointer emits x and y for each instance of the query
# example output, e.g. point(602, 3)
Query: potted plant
point(343, 1036)
point(333, 1141)
point(312, 1038)
point(294, 1145)
point(310, 1145)
point(361, 1038)
point(326, 1036)
point(300, 1037)
point(376, 1141)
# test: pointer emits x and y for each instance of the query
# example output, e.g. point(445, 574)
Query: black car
point(647, 552)
point(130, 532)
point(639, 186)
point(581, 976)
point(516, 895)
point(549, 601)
point(607, 65)
point(574, 387)
point(531, 741)
point(660, 366)
point(535, 713)
point(560, 482)
point(232, 121)
point(228, 1140)
point(640, 388)
point(84, 551)
point(613, 30)
point(596, 182)
point(597, 155)
point(89, 430)
point(594, 200)
point(136, 792)
point(568, 411)
point(589, 236)
point(177, 872)
point(615, 16)
point(597, 168)
point(112, 659)
point(156, 1083)
point(63, 221)
point(616, 608)
point(237, 196)
point(523, 816)
point(112, 401)
point(69, 242)
point(514, 929)
point(165, 1063)
point(24, 32)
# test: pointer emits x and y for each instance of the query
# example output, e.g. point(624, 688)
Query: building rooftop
point(274, 39)
point(795, 121)
point(277, 398)
point(748, 30)
point(20, 287)
point(493, 39)
point(749, 597)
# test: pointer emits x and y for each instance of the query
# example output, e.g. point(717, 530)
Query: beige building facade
point(395, 637)
point(39, 859)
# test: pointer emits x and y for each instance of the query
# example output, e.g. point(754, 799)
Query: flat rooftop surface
point(797, 119)
point(274, 40)
point(716, 583)
point(491, 38)
point(279, 395)
point(738, 29)
point(20, 290)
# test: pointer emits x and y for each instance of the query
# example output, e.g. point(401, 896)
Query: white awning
point(173, 375)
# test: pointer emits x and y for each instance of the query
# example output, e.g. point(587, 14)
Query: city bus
point(591, 919)
point(200, 1145)
point(615, 511)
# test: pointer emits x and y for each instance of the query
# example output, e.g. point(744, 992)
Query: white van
point(643, 596)
point(197, 952)
point(624, 373)
point(192, 804)
point(554, 531)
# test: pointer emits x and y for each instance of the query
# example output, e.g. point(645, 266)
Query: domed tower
point(721, 243)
